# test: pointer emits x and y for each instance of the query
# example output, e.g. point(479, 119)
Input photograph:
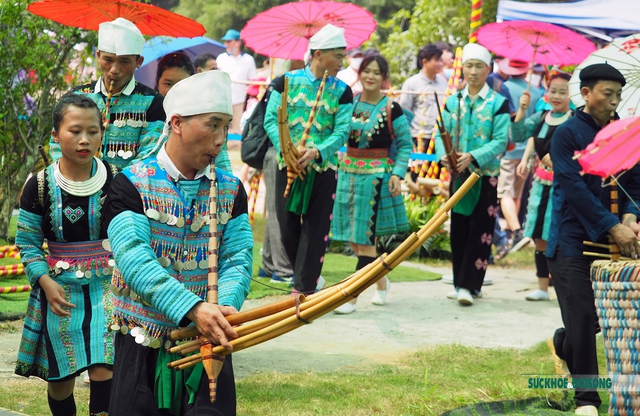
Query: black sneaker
point(519, 241)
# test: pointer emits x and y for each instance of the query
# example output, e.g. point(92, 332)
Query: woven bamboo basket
point(616, 286)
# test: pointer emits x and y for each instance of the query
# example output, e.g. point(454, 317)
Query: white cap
point(120, 37)
point(329, 37)
point(206, 92)
point(477, 52)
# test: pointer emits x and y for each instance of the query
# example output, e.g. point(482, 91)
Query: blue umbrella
point(157, 47)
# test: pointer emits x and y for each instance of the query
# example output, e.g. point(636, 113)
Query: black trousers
point(576, 344)
point(132, 391)
point(305, 237)
point(471, 238)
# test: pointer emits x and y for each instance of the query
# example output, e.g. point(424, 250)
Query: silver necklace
point(82, 188)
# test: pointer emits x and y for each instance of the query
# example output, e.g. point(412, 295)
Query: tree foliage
point(34, 73)
point(429, 21)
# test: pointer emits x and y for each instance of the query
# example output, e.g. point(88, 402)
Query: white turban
point(120, 37)
point(206, 92)
point(477, 52)
point(329, 37)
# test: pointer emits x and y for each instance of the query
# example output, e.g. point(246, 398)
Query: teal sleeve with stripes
point(29, 239)
point(130, 238)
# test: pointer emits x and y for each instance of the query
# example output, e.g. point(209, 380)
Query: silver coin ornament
point(152, 213)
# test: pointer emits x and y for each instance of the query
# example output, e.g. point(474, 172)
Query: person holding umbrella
point(156, 218)
point(305, 215)
point(478, 121)
point(132, 113)
point(539, 129)
point(581, 213)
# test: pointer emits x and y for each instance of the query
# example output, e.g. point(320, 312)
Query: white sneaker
point(487, 281)
point(320, 283)
point(479, 295)
point(537, 294)
point(87, 380)
point(452, 295)
point(464, 297)
point(345, 309)
point(380, 296)
point(447, 278)
point(587, 410)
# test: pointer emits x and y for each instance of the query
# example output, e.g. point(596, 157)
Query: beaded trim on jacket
point(180, 239)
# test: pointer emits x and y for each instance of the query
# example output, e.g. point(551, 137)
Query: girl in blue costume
point(65, 330)
point(539, 128)
point(368, 201)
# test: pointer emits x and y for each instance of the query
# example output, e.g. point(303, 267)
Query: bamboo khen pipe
point(605, 256)
point(242, 317)
point(292, 170)
point(106, 122)
point(319, 304)
point(592, 244)
point(212, 364)
point(289, 152)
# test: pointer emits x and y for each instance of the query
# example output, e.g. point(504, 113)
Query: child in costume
point(65, 331)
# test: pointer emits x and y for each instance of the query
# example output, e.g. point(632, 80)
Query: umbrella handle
point(533, 63)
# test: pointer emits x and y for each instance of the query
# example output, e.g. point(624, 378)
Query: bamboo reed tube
point(330, 298)
point(185, 345)
point(189, 350)
point(604, 256)
point(592, 244)
point(337, 298)
point(395, 258)
point(183, 360)
point(241, 317)
point(187, 365)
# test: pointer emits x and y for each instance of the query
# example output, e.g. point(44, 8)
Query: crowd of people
point(124, 207)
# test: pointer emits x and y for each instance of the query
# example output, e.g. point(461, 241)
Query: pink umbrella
point(615, 148)
point(284, 31)
point(535, 42)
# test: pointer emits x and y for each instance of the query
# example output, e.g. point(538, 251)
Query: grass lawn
point(428, 382)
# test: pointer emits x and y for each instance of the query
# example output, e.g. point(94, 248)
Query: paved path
point(416, 315)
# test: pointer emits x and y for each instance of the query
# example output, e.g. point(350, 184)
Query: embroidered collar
point(172, 170)
point(482, 94)
point(126, 90)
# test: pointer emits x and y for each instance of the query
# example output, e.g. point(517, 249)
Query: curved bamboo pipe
point(241, 317)
point(285, 307)
point(330, 298)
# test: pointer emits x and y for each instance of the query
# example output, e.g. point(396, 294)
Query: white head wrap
point(329, 37)
point(477, 52)
point(206, 92)
point(120, 37)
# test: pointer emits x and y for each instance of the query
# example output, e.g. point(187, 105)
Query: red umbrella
point(284, 31)
point(614, 149)
point(88, 14)
point(536, 42)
